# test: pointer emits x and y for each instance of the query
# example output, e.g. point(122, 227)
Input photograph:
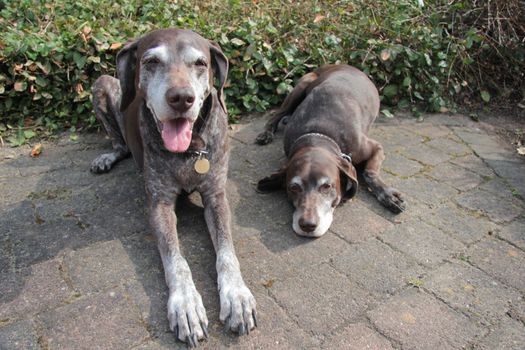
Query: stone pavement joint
point(79, 267)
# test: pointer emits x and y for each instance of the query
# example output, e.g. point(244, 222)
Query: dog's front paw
point(187, 315)
point(264, 138)
point(103, 163)
point(238, 308)
point(393, 200)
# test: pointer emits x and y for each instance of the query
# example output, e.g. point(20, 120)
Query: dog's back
point(341, 102)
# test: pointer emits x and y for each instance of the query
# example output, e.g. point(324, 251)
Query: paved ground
point(80, 269)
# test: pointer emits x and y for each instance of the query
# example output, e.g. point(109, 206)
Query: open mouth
point(176, 134)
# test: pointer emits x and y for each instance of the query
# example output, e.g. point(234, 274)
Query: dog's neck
point(314, 139)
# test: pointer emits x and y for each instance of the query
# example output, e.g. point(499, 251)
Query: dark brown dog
point(329, 114)
point(166, 111)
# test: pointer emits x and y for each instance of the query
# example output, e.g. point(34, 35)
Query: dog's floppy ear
point(219, 64)
point(126, 70)
point(348, 177)
point(273, 182)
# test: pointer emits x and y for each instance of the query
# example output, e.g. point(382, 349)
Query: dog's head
point(173, 71)
point(316, 181)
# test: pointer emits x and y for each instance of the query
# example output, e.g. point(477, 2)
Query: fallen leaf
point(37, 149)
point(19, 86)
point(407, 317)
point(319, 18)
point(385, 55)
point(115, 46)
point(269, 283)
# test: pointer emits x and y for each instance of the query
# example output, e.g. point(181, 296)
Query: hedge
point(422, 58)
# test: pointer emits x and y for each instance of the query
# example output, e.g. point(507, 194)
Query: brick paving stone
point(376, 267)
point(425, 243)
point(430, 130)
point(497, 156)
point(16, 190)
point(20, 335)
point(356, 223)
point(259, 264)
point(450, 146)
point(456, 176)
point(101, 321)
point(301, 253)
point(512, 169)
point(483, 144)
point(49, 160)
point(514, 232)
point(517, 311)
point(358, 336)
point(426, 154)
point(498, 187)
point(470, 290)
point(401, 166)
point(498, 209)
point(315, 308)
point(99, 266)
point(428, 191)
point(501, 260)
point(475, 164)
point(32, 290)
point(418, 321)
point(509, 335)
point(395, 141)
point(276, 331)
point(459, 223)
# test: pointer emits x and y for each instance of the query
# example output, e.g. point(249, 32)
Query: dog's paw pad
point(103, 163)
point(187, 316)
point(238, 309)
point(264, 138)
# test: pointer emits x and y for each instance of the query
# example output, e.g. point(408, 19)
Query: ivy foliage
point(51, 51)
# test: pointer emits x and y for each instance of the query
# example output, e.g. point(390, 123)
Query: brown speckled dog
point(165, 110)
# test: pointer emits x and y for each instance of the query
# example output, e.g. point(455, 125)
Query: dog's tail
point(289, 105)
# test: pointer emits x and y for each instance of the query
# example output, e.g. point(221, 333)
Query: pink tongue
point(176, 134)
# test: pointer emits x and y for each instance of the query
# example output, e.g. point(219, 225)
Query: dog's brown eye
point(324, 188)
point(295, 188)
point(201, 63)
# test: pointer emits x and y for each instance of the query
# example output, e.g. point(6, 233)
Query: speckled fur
point(133, 129)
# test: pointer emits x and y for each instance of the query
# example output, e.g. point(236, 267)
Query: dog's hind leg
point(289, 105)
point(388, 196)
point(106, 101)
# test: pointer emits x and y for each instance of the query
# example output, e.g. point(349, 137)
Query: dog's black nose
point(307, 225)
point(180, 99)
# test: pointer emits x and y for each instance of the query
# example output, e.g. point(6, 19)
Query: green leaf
point(283, 88)
point(485, 96)
point(237, 42)
point(387, 113)
point(29, 134)
point(79, 59)
point(390, 90)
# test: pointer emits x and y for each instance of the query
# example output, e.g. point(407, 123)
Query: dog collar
point(346, 156)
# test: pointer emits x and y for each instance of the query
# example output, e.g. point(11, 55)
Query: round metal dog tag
point(202, 165)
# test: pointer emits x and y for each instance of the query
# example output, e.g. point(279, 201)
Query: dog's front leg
point(238, 307)
point(186, 313)
point(388, 196)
